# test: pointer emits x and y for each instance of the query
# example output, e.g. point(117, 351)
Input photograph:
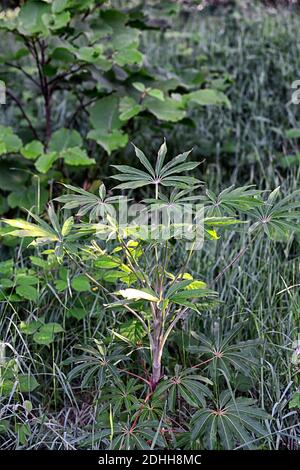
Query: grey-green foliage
point(75, 59)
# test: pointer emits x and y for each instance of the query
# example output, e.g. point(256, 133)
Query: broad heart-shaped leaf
point(208, 97)
point(27, 292)
point(32, 150)
point(30, 19)
point(45, 161)
point(78, 313)
point(167, 110)
point(81, 284)
point(137, 294)
point(110, 141)
point(128, 108)
point(56, 21)
point(104, 115)
point(76, 156)
point(129, 55)
point(64, 139)
point(122, 36)
point(94, 55)
point(45, 335)
point(9, 142)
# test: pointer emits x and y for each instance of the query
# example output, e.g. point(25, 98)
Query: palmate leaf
point(89, 203)
point(225, 354)
point(229, 423)
point(168, 175)
point(42, 232)
point(231, 200)
point(278, 219)
point(191, 387)
point(138, 438)
point(96, 363)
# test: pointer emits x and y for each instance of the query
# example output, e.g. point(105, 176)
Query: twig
point(18, 67)
point(20, 106)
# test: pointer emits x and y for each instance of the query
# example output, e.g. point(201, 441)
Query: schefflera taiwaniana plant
point(141, 269)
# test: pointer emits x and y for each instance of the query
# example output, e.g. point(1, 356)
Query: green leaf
point(139, 86)
point(156, 93)
point(128, 56)
point(208, 97)
point(132, 185)
point(104, 115)
point(27, 292)
point(107, 262)
point(128, 108)
point(3, 204)
point(167, 110)
point(64, 139)
point(78, 313)
point(67, 226)
point(28, 197)
point(27, 280)
point(81, 284)
point(27, 383)
point(30, 19)
point(77, 157)
point(59, 5)
point(56, 21)
point(27, 229)
point(137, 294)
point(132, 330)
point(289, 161)
point(295, 401)
point(45, 336)
point(45, 161)
point(10, 142)
point(2, 148)
point(144, 161)
point(4, 425)
point(94, 55)
point(31, 327)
point(32, 150)
point(161, 157)
point(110, 141)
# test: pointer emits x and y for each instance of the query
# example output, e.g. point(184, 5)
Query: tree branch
point(18, 67)
point(20, 106)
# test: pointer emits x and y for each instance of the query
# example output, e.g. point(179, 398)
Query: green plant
point(140, 265)
point(229, 422)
